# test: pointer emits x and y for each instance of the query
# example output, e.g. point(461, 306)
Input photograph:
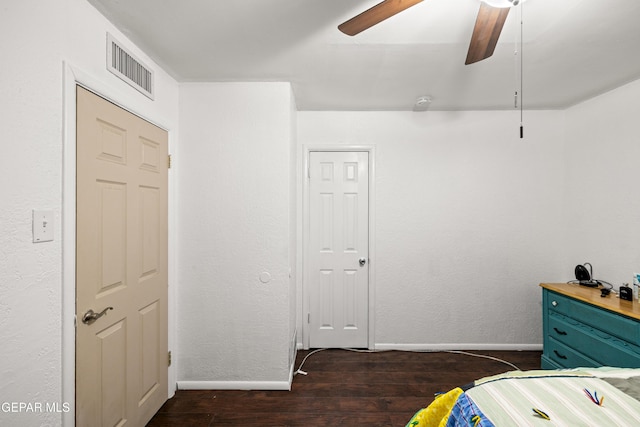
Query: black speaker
point(584, 276)
point(626, 293)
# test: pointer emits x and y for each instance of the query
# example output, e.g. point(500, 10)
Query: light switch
point(42, 226)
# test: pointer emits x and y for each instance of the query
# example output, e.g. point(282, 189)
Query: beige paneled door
point(121, 259)
point(338, 249)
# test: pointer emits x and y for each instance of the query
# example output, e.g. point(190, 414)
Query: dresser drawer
point(566, 356)
point(614, 324)
point(596, 344)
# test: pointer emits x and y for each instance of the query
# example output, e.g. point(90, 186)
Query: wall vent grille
point(127, 67)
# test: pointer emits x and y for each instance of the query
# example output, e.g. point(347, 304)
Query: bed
point(577, 397)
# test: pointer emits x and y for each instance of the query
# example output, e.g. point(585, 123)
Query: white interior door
point(338, 254)
point(121, 263)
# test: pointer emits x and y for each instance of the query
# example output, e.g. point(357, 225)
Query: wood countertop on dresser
point(592, 296)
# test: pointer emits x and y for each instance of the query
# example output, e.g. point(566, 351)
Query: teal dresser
point(582, 329)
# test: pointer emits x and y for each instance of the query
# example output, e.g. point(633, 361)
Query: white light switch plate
point(42, 226)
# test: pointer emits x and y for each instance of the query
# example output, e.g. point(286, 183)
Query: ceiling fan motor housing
point(502, 3)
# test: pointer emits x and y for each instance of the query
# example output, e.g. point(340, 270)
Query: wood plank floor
point(342, 388)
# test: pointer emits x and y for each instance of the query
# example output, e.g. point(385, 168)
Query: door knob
point(362, 261)
point(91, 316)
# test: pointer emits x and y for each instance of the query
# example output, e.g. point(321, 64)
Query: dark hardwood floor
point(342, 388)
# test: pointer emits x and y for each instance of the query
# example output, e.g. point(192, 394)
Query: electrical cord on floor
point(484, 356)
point(299, 370)
point(356, 350)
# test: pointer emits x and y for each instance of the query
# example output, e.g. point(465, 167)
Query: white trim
point(234, 385)
point(68, 244)
point(306, 149)
point(293, 352)
point(458, 347)
point(71, 77)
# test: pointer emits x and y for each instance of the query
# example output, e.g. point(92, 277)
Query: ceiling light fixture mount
point(422, 103)
point(503, 3)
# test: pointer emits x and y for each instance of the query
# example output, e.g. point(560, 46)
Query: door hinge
point(169, 359)
point(169, 161)
point(308, 317)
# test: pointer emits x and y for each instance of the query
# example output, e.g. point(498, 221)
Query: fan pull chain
point(515, 70)
point(521, 74)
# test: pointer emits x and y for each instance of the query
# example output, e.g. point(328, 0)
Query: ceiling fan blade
point(485, 36)
point(375, 15)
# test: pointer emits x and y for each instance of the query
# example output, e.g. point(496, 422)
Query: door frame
point(306, 252)
point(75, 76)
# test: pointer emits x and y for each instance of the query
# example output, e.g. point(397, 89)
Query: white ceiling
point(572, 50)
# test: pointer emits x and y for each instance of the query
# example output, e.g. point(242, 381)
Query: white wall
point(35, 38)
point(235, 220)
point(603, 185)
point(468, 221)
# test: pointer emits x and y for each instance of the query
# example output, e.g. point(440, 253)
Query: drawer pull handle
point(561, 356)
point(554, 303)
point(559, 332)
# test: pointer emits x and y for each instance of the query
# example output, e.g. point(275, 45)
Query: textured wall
point(37, 37)
point(468, 221)
point(603, 181)
point(235, 222)
point(30, 166)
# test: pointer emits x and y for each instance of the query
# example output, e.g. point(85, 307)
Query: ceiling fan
point(489, 23)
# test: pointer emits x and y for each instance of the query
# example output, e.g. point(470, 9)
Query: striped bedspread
point(563, 396)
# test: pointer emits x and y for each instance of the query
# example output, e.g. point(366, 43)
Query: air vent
point(130, 69)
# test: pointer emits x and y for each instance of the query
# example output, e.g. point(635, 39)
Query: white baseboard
point(446, 347)
point(234, 385)
point(293, 351)
point(459, 347)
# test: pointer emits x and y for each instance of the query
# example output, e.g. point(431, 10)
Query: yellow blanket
point(437, 413)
